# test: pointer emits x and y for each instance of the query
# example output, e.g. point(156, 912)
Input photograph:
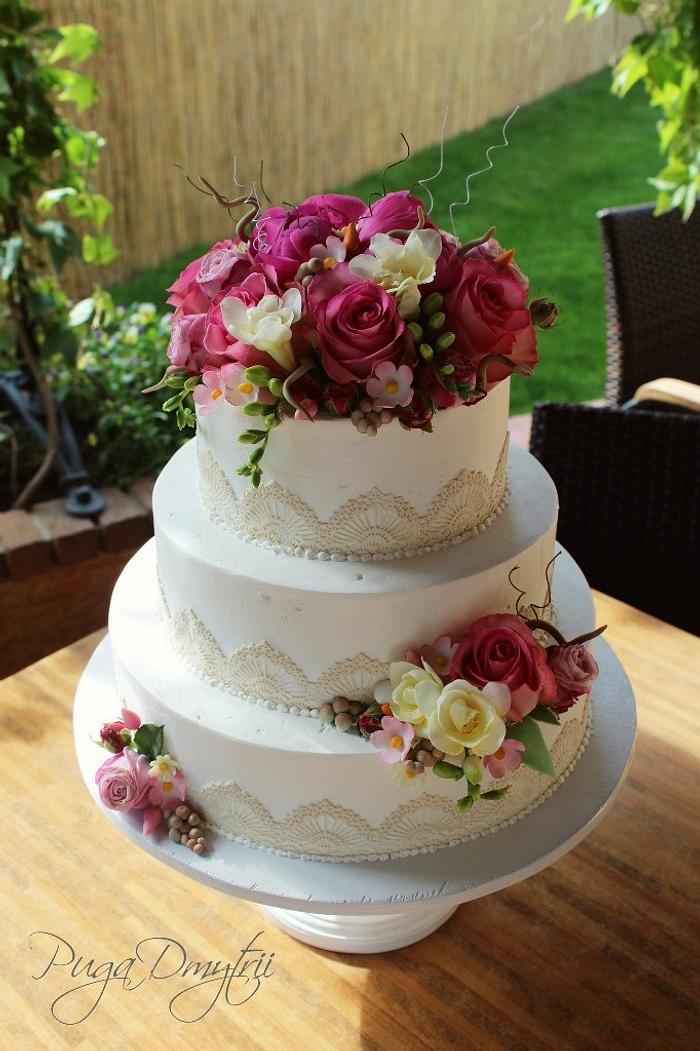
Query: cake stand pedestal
point(368, 907)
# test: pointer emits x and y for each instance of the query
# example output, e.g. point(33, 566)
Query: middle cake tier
point(295, 633)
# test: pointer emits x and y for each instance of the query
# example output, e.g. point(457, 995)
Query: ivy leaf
point(149, 740)
point(78, 42)
point(9, 254)
point(536, 754)
point(92, 206)
point(545, 715)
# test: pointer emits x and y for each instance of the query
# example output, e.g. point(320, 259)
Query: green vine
point(665, 57)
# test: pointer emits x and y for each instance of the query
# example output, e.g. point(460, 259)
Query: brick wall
point(57, 572)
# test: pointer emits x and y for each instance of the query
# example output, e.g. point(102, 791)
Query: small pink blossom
point(210, 391)
point(167, 793)
point(237, 389)
point(394, 739)
point(390, 386)
point(438, 655)
point(508, 758)
point(123, 781)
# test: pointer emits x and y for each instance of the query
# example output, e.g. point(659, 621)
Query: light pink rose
point(575, 669)
point(358, 325)
point(500, 648)
point(221, 265)
point(487, 310)
point(123, 781)
point(186, 347)
point(183, 285)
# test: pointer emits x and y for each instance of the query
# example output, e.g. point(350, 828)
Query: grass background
point(570, 154)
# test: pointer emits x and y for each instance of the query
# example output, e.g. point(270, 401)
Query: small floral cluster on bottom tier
point(470, 706)
point(140, 776)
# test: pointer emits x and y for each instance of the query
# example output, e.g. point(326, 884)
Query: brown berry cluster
point(342, 713)
point(368, 420)
point(186, 826)
point(422, 755)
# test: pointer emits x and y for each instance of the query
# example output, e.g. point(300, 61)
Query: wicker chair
point(629, 489)
point(652, 286)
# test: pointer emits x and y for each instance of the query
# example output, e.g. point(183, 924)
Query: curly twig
point(292, 378)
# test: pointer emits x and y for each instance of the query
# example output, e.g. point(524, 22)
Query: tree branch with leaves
point(665, 58)
point(46, 165)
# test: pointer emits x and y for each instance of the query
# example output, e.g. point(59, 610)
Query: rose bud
point(368, 722)
point(111, 736)
point(543, 313)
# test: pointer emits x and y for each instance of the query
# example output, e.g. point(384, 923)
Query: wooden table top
point(598, 951)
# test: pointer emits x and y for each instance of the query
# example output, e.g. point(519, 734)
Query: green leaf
point(465, 803)
point(8, 168)
point(149, 740)
point(536, 754)
point(545, 715)
point(252, 437)
point(78, 42)
point(81, 91)
point(257, 408)
point(94, 207)
point(4, 84)
point(495, 793)
point(98, 250)
point(50, 198)
point(10, 251)
point(448, 770)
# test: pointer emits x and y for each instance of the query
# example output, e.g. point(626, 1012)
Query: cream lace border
point(325, 831)
point(372, 527)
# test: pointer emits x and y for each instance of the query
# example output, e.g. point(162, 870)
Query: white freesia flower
point(398, 265)
point(267, 325)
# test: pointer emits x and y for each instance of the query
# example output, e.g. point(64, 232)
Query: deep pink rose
point(488, 311)
point(291, 233)
point(394, 211)
point(123, 781)
point(358, 325)
point(575, 670)
point(186, 346)
point(223, 264)
point(500, 648)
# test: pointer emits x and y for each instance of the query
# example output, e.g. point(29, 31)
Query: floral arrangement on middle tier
point(341, 308)
point(468, 706)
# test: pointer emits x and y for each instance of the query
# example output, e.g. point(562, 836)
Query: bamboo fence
point(320, 89)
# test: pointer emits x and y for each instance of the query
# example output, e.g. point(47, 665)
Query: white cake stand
point(368, 907)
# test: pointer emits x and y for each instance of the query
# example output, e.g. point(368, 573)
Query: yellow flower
point(415, 692)
point(466, 717)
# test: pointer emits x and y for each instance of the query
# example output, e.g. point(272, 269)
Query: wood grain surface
point(598, 951)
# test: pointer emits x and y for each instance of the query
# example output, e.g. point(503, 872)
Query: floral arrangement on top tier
point(340, 308)
point(470, 705)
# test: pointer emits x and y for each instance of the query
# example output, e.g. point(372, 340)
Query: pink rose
point(185, 284)
point(394, 211)
point(123, 781)
point(291, 233)
point(488, 311)
point(358, 325)
point(500, 648)
point(575, 670)
point(186, 346)
point(223, 263)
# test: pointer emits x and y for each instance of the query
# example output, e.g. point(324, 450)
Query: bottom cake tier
point(290, 783)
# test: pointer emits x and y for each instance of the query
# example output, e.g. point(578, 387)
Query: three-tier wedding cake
point(350, 629)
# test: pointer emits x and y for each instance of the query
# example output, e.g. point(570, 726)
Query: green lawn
point(572, 153)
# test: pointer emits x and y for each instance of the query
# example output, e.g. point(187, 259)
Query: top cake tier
point(331, 492)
